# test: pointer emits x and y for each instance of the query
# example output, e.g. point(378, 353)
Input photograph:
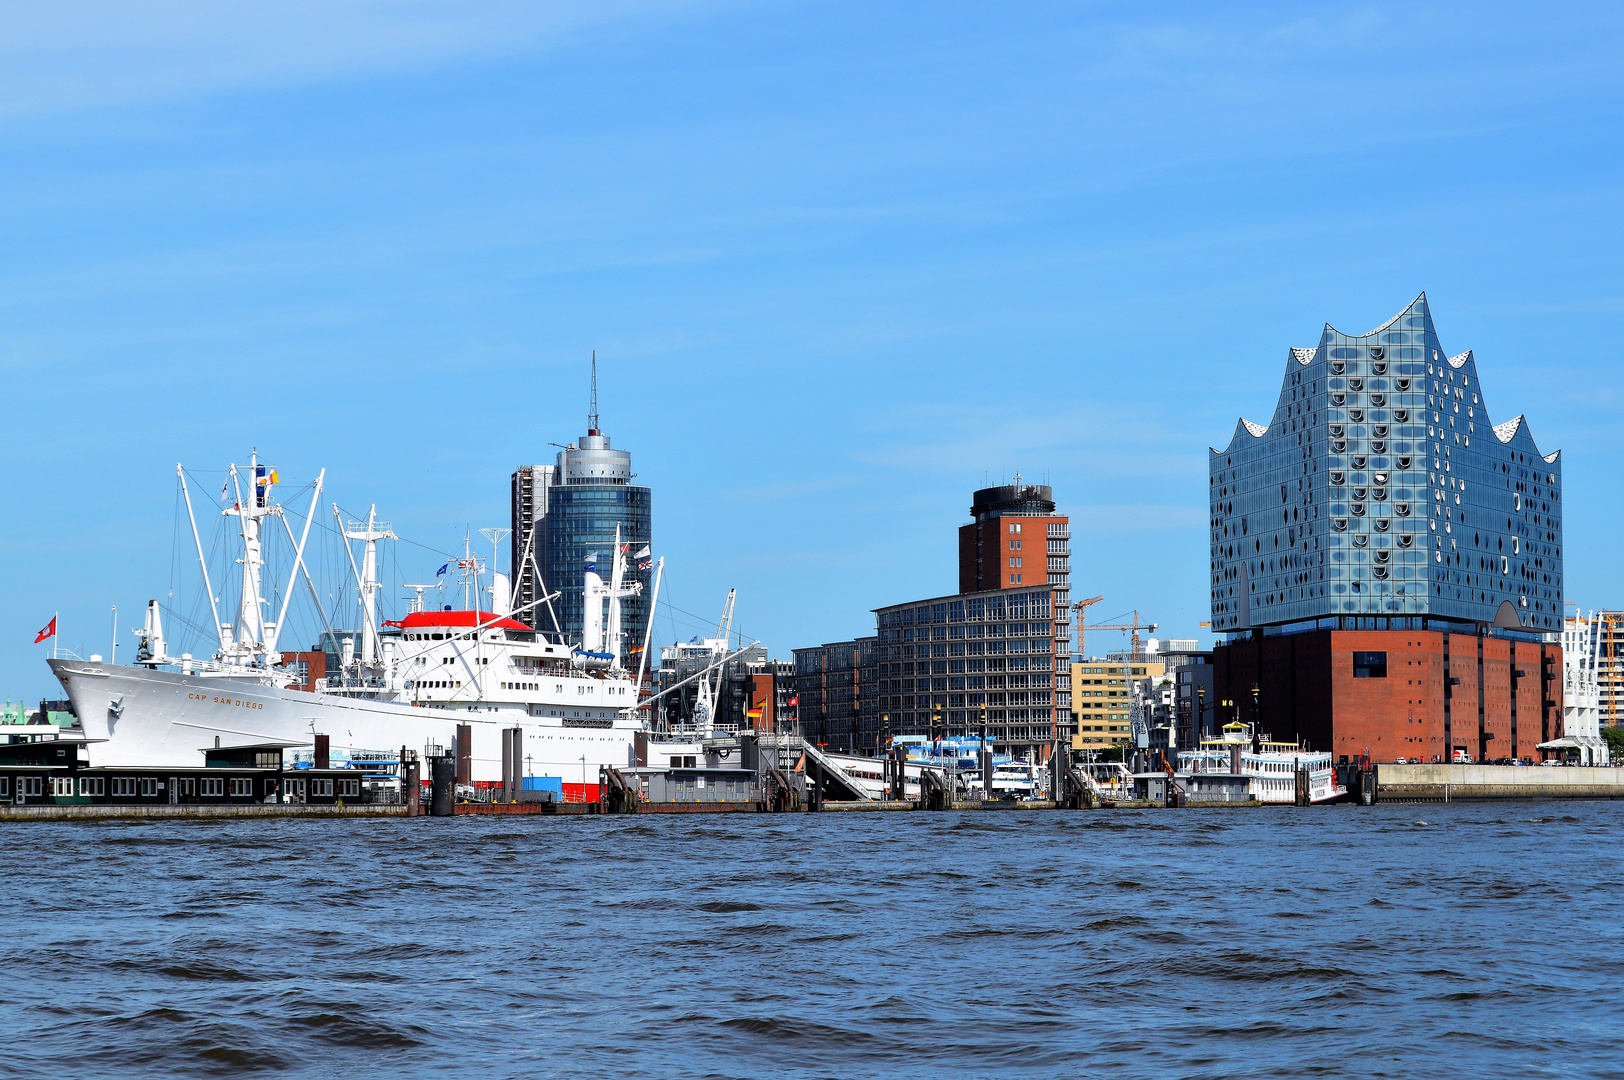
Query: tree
point(1615, 741)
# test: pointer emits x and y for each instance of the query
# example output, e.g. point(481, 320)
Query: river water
point(1400, 941)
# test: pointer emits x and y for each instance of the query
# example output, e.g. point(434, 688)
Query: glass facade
point(580, 528)
point(943, 663)
point(1381, 490)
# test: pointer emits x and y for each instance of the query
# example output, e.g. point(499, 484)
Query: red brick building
point(1394, 693)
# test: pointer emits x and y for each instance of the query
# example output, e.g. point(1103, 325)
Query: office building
point(837, 705)
point(948, 664)
point(1386, 560)
point(1015, 541)
point(565, 518)
point(1106, 693)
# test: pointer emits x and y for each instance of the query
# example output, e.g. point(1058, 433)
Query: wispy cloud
point(85, 53)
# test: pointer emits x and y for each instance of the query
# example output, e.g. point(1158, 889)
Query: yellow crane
point(1133, 627)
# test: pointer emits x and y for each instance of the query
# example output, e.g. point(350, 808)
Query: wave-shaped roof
point(1302, 357)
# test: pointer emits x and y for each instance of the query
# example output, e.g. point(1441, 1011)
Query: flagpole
point(57, 637)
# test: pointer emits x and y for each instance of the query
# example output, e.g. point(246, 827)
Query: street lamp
point(1201, 717)
point(1256, 724)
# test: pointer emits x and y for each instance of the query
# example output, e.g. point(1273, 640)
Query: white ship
point(411, 684)
point(1270, 768)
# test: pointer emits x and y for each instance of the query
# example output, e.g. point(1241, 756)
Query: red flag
point(49, 631)
point(793, 701)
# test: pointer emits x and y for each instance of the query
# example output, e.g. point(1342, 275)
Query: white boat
point(1270, 767)
point(434, 681)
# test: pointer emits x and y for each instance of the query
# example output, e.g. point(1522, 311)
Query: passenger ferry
point(1270, 766)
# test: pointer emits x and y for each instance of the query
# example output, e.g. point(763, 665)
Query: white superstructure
point(1270, 767)
point(415, 682)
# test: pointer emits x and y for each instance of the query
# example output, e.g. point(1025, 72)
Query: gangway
point(825, 779)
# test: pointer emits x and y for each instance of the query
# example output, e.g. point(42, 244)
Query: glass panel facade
point(1381, 488)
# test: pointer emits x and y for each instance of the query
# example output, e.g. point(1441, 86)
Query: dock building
point(1386, 560)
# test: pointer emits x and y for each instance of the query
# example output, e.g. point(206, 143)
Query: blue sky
point(841, 264)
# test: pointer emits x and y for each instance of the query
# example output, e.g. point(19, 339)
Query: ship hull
point(162, 718)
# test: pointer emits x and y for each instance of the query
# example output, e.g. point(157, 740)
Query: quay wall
point(1449, 782)
point(81, 812)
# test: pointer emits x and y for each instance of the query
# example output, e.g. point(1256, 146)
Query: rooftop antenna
point(592, 418)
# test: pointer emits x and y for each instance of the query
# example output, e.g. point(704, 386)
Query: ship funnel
point(501, 595)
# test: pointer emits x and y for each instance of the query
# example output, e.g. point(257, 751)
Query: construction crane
point(1133, 627)
point(1079, 607)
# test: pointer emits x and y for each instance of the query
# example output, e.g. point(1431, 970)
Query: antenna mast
point(592, 417)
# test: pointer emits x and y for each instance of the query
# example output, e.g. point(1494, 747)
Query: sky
point(841, 264)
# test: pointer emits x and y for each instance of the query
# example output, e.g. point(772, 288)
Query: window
point(321, 787)
point(1014, 561)
point(149, 785)
point(5, 785)
point(1015, 527)
point(92, 785)
point(29, 785)
point(349, 788)
point(61, 786)
point(241, 785)
point(187, 785)
point(1370, 665)
point(124, 786)
point(211, 785)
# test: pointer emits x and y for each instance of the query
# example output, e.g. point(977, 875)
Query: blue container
point(554, 784)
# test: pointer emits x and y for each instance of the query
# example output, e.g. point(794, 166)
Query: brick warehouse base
point(1402, 702)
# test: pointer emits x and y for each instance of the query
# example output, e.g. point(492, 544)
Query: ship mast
point(366, 577)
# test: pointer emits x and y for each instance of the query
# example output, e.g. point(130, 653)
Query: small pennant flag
point(223, 489)
point(441, 572)
point(646, 553)
point(49, 631)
